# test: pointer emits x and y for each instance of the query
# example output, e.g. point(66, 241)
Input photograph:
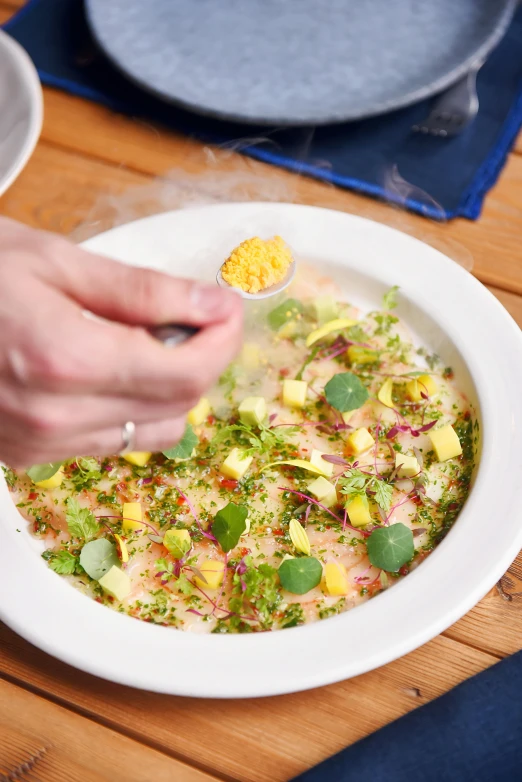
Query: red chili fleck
point(284, 372)
point(181, 501)
point(228, 483)
point(121, 486)
point(244, 551)
point(32, 496)
point(74, 466)
point(211, 419)
point(278, 532)
point(467, 415)
point(328, 526)
point(404, 570)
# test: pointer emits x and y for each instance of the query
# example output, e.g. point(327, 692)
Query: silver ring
point(128, 436)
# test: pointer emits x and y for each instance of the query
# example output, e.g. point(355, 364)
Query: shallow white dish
point(21, 109)
point(451, 313)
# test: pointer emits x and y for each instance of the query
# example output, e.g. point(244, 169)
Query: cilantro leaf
point(389, 300)
point(42, 472)
point(345, 392)
point(261, 441)
point(383, 494)
point(300, 575)
point(184, 585)
point(229, 524)
point(183, 449)
point(293, 616)
point(354, 482)
point(97, 558)
point(389, 548)
point(80, 521)
point(283, 313)
point(62, 562)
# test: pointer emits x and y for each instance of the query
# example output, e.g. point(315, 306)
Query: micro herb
point(87, 469)
point(355, 482)
point(293, 616)
point(300, 575)
point(345, 392)
point(62, 562)
point(258, 589)
point(286, 311)
point(389, 300)
point(228, 380)
point(389, 548)
point(261, 439)
point(384, 323)
point(311, 356)
point(183, 450)
point(229, 524)
point(97, 558)
point(81, 522)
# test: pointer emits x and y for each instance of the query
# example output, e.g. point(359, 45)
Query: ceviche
point(330, 460)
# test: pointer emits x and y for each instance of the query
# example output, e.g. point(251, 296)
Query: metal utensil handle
point(173, 335)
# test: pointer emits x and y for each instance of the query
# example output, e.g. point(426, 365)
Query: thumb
point(133, 295)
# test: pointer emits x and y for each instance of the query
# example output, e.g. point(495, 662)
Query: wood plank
point(192, 173)
point(45, 742)
point(291, 732)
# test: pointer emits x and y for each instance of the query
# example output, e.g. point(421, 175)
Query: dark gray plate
point(296, 62)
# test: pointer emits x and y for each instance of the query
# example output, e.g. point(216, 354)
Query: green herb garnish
point(183, 449)
point(62, 562)
point(345, 392)
point(355, 482)
point(42, 472)
point(229, 524)
point(389, 300)
point(300, 575)
point(389, 548)
point(97, 558)
point(81, 522)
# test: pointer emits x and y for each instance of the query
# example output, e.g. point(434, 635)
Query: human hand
point(68, 382)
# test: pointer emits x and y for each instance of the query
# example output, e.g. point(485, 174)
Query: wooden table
point(92, 166)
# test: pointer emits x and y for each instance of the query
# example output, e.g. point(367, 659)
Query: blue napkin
point(455, 174)
point(471, 734)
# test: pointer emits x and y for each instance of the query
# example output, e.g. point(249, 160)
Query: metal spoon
point(264, 294)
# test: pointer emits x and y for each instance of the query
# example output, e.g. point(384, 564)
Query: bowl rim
point(82, 633)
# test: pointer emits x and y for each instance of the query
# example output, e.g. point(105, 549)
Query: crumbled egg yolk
point(257, 264)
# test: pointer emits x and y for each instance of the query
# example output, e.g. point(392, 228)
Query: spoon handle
point(173, 335)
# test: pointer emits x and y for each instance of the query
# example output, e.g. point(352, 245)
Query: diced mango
point(294, 393)
point(347, 415)
point(325, 308)
point(359, 441)
point(385, 393)
point(358, 511)
point(212, 570)
point(132, 517)
point(316, 458)
point(252, 410)
point(177, 542)
point(336, 579)
point(407, 466)
point(234, 466)
point(445, 442)
point(139, 458)
point(358, 355)
point(124, 551)
point(199, 413)
point(53, 482)
point(250, 356)
point(324, 491)
point(116, 583)
point(334, 325)
point(299, 537)
point(424, 384)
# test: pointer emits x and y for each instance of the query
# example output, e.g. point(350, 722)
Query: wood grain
point(40, 740)
point(288, 733)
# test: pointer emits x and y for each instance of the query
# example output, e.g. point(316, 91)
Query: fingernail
point(211, 299)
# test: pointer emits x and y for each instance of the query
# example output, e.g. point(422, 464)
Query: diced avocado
point(446, 443)
point(132, 518)
point(316, 458)
point(199, 413)
point(288, 331)
point(424, 384)
point(358, 355)
point(177, 542)
point(294, 393)
point(139, 458)
point(252, 410)
point(212, 570)
point(53, 482)
point(116, 583)
point(407, 466)
point(347, 415)
point(250, 356)
point(324, 491)
point(358, 511)
point(336, 579)
point(234, 466)
point(385, 393)
point(325, 308)
point(359, 441)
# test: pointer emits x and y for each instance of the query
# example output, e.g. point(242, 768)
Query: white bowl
point(451, 313)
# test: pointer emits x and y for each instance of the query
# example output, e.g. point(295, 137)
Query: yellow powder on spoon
point(257, 264)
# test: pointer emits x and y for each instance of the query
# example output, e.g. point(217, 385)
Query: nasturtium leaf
point(389, 300)
point(42, 472)
point(183, 449)
point(98, 556)
point(81, 522)
point(345, 392)
point(300, 575)
point(283, 313)
point(229, 524)
point(389, 548)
